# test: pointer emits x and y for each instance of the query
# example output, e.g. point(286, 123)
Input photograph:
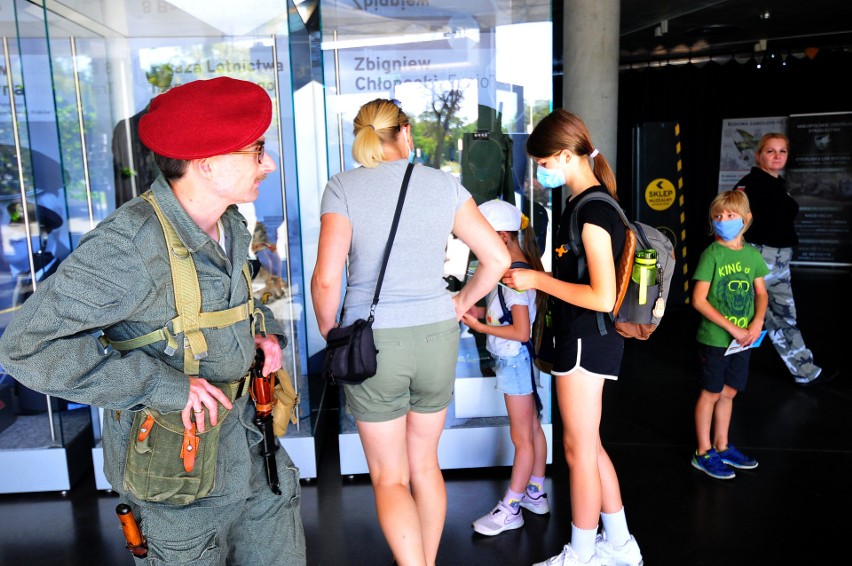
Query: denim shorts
point(514, 375)
point(416, 372)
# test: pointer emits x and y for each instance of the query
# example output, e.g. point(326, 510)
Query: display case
point(79, 75)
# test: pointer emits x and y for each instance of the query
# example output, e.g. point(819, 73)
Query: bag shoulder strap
point(391, 237)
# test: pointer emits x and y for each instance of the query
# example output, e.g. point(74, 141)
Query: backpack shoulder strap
point(576, 243)
point(575, 240)
point(507, 319)
point(507, 313)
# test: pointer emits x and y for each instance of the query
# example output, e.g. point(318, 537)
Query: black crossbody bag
point(350, 352)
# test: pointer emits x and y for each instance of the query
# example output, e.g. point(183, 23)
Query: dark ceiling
point(664, 30)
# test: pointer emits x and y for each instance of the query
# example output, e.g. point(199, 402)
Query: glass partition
point(33, 218)
point(80, 75)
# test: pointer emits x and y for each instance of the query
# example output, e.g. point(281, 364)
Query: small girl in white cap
point(508, 315)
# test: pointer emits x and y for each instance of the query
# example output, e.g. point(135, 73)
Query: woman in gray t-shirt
point(400, 411)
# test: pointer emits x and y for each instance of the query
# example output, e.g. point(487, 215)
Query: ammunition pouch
point(166, 463)
point(285, 402)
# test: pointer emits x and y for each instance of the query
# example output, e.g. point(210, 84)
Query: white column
point(590, 68)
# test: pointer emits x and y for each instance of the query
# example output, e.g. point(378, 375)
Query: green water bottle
point(644, 272)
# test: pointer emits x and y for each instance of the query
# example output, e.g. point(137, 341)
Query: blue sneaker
point(737, 459)
point(712, 465)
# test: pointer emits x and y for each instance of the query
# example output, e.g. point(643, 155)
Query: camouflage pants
point(780, 321)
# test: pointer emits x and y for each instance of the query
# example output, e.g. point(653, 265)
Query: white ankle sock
point(615, 525)
point(583, 542)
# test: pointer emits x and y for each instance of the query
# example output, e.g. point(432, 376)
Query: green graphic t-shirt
point(731, 274)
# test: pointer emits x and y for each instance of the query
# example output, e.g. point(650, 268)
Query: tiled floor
point(793, 509)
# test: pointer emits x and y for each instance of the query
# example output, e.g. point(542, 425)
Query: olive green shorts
point(416, 372)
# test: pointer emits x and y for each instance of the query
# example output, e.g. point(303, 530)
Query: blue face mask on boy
point(550, 178)
point(728, 229)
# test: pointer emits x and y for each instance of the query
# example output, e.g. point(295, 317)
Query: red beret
point(206, 118)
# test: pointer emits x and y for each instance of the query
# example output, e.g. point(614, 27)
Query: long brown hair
point(529, 246)
point(563, 130)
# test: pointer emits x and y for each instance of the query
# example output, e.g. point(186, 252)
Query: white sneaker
point(625, 555)
point(539, 506)
point(568, 558)
point(501, 518)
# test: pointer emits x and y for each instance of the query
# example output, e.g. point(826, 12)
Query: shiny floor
point(793, 509)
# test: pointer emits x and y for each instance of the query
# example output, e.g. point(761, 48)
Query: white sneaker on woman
point(626, 555)
point(568, 558)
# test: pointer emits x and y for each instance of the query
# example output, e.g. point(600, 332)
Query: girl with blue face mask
point(584, 358)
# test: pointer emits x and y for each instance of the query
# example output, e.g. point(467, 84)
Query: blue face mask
point(550, 178)
point(411, 152)
point(728, 229)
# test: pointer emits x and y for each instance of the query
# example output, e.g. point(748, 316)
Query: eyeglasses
point(398, 113)
point(260, 151)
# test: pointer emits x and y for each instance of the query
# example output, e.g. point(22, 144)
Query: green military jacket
point(118, 280)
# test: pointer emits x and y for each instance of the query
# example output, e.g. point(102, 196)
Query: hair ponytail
point(378, 121)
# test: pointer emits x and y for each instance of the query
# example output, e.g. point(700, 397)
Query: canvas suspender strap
point(190, 320)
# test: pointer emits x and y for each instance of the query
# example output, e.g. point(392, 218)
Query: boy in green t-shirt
point(731, 296)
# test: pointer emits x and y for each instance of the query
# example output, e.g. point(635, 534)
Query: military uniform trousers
point(780, 321)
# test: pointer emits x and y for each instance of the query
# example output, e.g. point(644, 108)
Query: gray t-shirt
point(413, 292)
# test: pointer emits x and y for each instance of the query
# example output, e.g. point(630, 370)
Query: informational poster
point(739, 142)
point(819, 177)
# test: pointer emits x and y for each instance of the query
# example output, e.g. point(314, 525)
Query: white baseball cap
point(501, 215)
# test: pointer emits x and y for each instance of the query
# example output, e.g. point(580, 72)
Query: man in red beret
point(151, 317)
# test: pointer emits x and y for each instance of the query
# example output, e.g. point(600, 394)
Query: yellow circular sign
point(660, 194)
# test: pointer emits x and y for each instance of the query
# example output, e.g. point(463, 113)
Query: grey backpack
point(632, 316)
